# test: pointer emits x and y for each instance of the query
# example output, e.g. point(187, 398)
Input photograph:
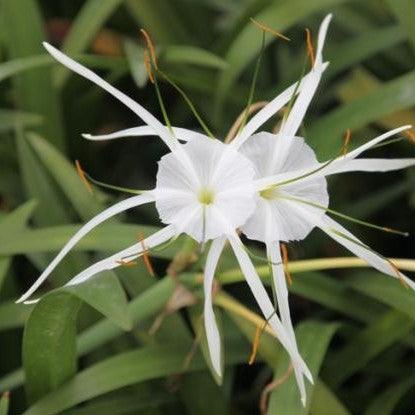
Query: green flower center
point(269, 193)
point(206, 196)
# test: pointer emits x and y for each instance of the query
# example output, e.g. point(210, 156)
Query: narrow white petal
point(296, 115)
point(270, 110)
point(133, 252)
point(332, 168)
point(146, 116)
point(280, 286)
point(94, 222)
point(265, 304)
point(212, 332)
point(181, 134)
point(376, 165)
point(353, 244)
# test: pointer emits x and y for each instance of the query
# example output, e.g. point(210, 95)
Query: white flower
point(292, 189)
point(204, 188)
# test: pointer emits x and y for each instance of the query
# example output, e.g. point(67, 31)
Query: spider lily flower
point(305, 89)
point(205, 189)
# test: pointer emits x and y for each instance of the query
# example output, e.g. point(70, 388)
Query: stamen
point(82, 175)
point(150, 46)
point(188, 102)
point(284, 252)
point(346, 217)
point(111, 186)
point(265, 28)
point(310, 47)
point(148, 66)
point(237, 124)
point(255, 344)
point(346, 141)
point(146, 257)
point(253, 84)
point(411, 135)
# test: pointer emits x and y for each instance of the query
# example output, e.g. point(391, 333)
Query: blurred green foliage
point(355, 329)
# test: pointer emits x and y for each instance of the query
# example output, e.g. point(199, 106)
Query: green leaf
point(23, 29)
point(313, 339)
point(280, 15)
point(192, 55)
point(17, 66)
point(86, 25)
point(385, 289)
point(107, 237)
point(13, 315)
point(325, 402)
point(366, 345)
point(404, 10)
point(388, 98)
point(345, 55)
point(4, 403)
point(49, 346)
point(10, 118)
point(122, 370)
point(65, 176)
point(161, 19)
point(106, 295)
point(387, 400)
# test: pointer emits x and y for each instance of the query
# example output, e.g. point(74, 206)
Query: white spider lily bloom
point(204, 188)
point(305, 89)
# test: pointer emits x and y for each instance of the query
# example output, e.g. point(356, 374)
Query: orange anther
point(146, 257)
point(346, 141)
point(148, 66)
point(83, 177)
point(126, 263)
point(284, 252)
point(310, 47)
point(265, 28)
point(255, 343)
point(150, 46)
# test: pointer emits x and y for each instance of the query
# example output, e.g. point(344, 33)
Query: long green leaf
point(386, 401)
point(366, 345)
point(49, 347)
point(23, 28)
point(390, 97)
point(4, 403)
point(88, 22)
point(65, 176)
point(325, 402)
point(9, 119)
point(313, 340)
point(125, 369)
point(405, 12)
point(386, 290)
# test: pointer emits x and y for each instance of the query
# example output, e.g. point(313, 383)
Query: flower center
point(269, 193)
point(206, 196)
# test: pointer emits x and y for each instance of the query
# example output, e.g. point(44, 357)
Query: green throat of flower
point(269, 193)
point(206, 196)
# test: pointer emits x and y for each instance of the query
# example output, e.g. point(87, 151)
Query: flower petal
point(146, 116)
point(376, 165)
point(270, 110)
point(296, 115)
point(265, 304)
point(144, 130)
point(94, 222)
point(353, 244)
point(280, 286)
point(331, 168)
point(133, 252)
point(212, 332)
